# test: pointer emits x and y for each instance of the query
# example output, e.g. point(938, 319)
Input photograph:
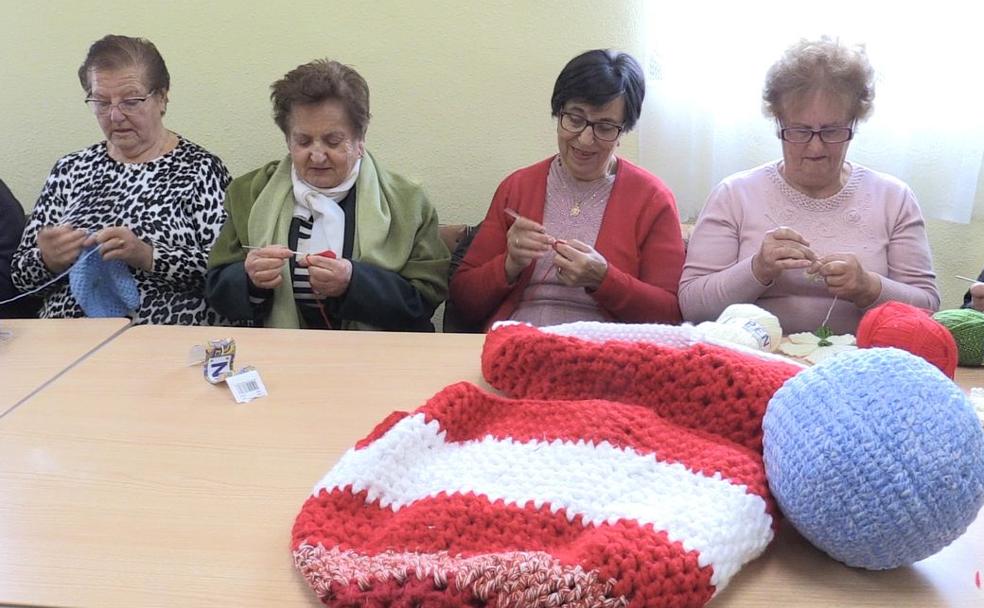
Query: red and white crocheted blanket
point(476, 499)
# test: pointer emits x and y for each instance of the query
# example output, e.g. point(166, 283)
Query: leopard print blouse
point(173, 202)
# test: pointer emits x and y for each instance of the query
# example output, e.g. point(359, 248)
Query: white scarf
point(321, 204)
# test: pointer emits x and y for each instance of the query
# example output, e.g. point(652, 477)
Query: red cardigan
point(639, 237)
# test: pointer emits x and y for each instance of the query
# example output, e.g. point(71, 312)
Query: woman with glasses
point(326, 237)
point(583, 235)
point(145, 196)
point(811, 232)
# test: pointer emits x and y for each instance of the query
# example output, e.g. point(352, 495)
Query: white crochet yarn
point(673, 336)
point(761, 324)
point(414, 460)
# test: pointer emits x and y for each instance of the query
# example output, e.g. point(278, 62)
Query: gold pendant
point(575, 211)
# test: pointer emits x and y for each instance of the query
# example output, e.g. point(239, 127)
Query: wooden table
point(38, 350)
point(132, 481)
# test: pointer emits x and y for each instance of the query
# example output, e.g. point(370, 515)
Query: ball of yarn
point(875, 457)
point(967, 328)
point(912, 329)
point(760, 323)
point(735, 334)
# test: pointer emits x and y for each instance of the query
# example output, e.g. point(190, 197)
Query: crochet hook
point(328, 253)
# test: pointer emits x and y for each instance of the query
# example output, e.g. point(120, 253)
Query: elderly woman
point(583, 235)
point(811, 231)
point(145, 196)
point(327, 238)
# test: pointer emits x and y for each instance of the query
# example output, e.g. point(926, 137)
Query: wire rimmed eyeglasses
point(128, 106)
point(602, 130)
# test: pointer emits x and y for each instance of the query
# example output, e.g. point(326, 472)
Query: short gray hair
point(821, 65)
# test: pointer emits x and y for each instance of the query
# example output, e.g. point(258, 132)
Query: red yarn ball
point(912, 329)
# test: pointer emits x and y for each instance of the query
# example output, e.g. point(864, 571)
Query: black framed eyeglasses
point(828, 135)
point(128, 106)
point(603, 131)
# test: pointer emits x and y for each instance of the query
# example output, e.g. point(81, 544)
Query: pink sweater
point(874, 216)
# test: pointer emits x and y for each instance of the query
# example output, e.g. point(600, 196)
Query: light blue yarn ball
point(876, 457)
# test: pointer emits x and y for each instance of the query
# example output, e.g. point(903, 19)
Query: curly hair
point(317, 81)
point(824, 64)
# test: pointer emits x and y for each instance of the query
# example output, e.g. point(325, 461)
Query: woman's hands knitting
point(526, 241)
point(782, 249)
point(60, 246)
point(330, 277)
point(263, 266)
point(119, 243)
point(579, 265)
point(847, 279)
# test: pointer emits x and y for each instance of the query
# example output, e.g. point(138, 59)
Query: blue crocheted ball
point(103, 288)
point(876, 457)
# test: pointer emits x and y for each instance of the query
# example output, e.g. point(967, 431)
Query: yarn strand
point(829, 310)
point(54, 280)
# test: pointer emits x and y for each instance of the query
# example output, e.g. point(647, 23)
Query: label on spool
point(759, 333)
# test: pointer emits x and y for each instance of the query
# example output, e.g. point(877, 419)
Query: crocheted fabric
point(103, 288)
point(475, 499)
point(673, 370)
point(875, 457)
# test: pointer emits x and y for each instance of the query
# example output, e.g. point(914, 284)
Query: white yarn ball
point(759, 323)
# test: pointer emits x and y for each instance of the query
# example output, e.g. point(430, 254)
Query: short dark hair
point(599, 76)
point(318, 81)
point(114, 52)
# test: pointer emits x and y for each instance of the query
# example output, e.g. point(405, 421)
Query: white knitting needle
point(255, 247)
point(968, 279)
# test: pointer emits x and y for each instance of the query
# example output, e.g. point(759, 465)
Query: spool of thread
point(911, 329)
point(758, 322)
point(967, 328)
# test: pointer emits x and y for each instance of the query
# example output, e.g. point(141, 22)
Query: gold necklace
point(592, 196)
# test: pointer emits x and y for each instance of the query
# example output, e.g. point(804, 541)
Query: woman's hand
point(782, 249)
point(579, 265)
point(847, 279)
point(330, 277)
point(977, 296)
point(119, 243)
point(263, 265)
point(526, 241)
point(60, 246)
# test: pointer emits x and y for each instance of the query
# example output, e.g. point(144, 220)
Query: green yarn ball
point(967, 327)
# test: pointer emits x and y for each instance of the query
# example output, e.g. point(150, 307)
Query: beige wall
point(460, 89)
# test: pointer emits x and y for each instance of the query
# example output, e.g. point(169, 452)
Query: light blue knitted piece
point(103, 288)
point(876, 457)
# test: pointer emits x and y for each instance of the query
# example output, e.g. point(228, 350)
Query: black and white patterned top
point(173, 202)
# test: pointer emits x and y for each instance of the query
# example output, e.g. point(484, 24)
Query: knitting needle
point(968, 279)
point(255, 247)
point(516, 216)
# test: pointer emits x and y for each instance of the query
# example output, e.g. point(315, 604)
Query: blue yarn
point(103, 288)
point(876, 457)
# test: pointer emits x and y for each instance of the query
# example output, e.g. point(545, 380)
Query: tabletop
point(35, 351)
point(131, 480)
